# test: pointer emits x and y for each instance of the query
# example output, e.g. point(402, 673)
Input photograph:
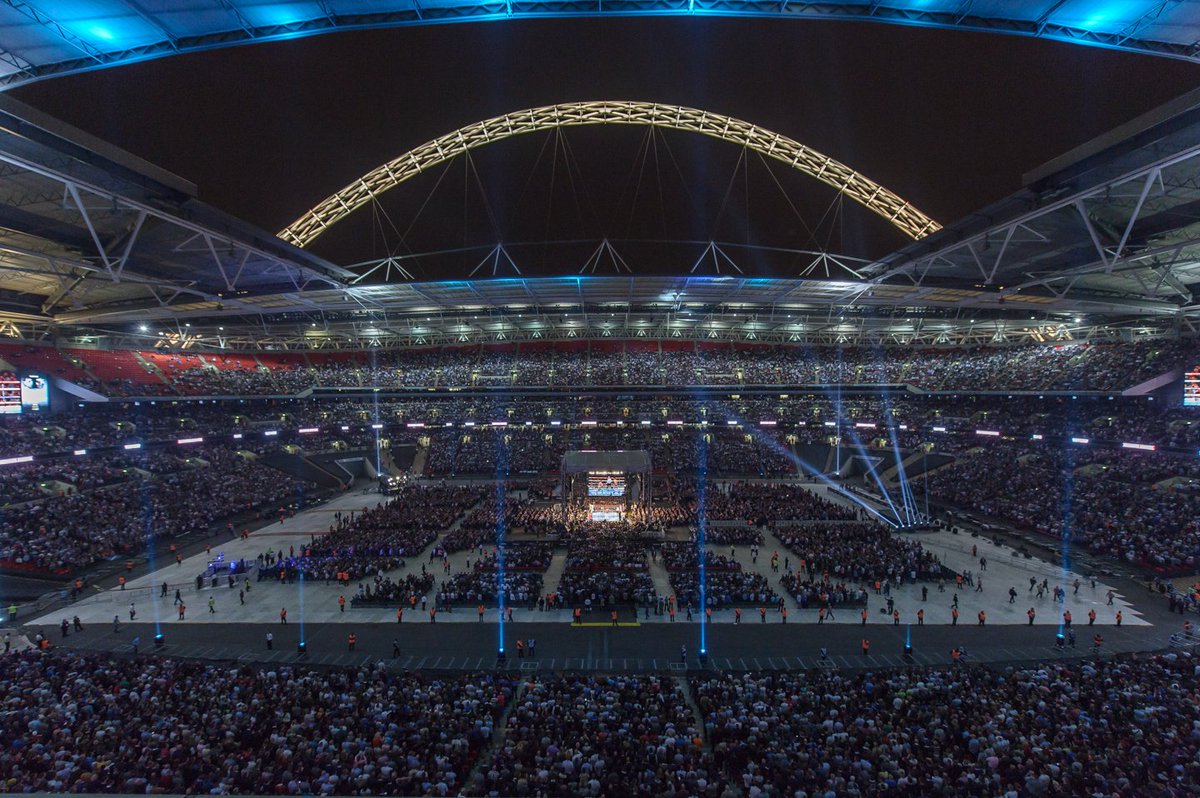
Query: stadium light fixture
point(587, 423)
point(645, 422)
point(1037, 436)
point(499, 423)
point(345, 428)
point(308, 430)
point(864, 425)
point(831, 423)
point(271, 432)
point(376, 426)
point(1083, 441)
point(412, 425)
point(939, 429)
point(991, 433)
point(185, 441)
point(237, 436)
point(1145, 447)
point(556, 423)
point(675, 423)
point(80, 452)
point(468, 423)
point(133, 446)
point(766, 423)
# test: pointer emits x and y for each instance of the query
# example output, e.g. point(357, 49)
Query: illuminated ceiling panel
point(41, 38)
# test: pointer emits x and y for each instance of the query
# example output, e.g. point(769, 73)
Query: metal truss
point(1159, 27)
point(709, 328)
point(367, 188)
point(1130, 240)
point(122, 243)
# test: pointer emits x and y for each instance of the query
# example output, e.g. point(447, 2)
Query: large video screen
point(1191, 388)
point(601, 483)
point(35, 392)
point(27, 394)
point(10, 392)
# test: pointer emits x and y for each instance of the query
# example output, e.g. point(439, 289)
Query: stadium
point(594, 398)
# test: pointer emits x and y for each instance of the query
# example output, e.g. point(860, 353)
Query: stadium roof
point(53, 37)
point(98, 245)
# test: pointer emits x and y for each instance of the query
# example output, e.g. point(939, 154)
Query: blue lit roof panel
point(55, 37)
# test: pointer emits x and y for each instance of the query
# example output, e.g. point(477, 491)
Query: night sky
point(948, 120)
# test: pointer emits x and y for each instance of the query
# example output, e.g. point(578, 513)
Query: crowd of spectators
point(606, 566)
point(1122, 728)
point(386, 591)
point(63, 533)
point(723, 589)
point(1069, 366)
point(739, 535)
point(378, 539)
point(758, 503)
point(1107, 501)
point(31, 481)
point(85, 723)
point(1119, 728)
point(862, 552)
point(598, 735)
point(482, 587)
point(530, 445)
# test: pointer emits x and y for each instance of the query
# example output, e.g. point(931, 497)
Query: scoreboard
point(1191, 388)
point(23, 394)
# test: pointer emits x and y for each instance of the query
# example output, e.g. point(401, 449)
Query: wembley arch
point(830, 171)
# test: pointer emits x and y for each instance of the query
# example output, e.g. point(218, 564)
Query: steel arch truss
point(367, 188)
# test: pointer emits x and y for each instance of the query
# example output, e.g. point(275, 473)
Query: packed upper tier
point(1074, 366)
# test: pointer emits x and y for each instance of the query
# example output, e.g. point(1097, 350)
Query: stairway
point(685, 690)
point(658, 574)
point(150, 366)
point(418, 464)
point(553, 575)
point(474, 780)
point(301, 468)
point(890, 474)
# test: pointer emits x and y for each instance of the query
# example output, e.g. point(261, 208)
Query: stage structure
point(607, 484)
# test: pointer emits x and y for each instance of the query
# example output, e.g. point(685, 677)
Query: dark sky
point(948, 120)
